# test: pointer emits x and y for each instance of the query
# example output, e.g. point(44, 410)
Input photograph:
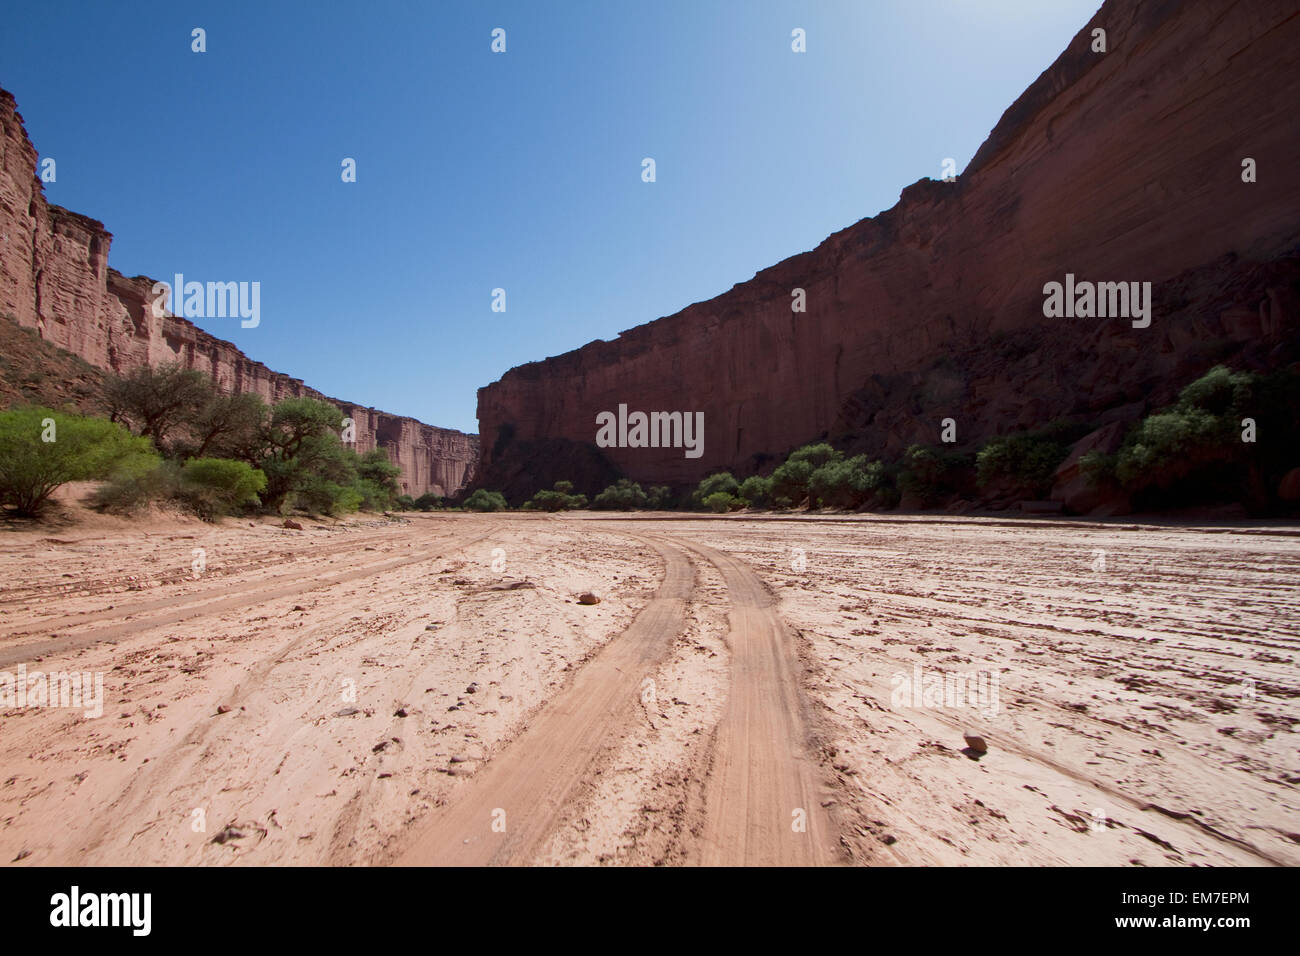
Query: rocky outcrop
point(1071, 486)
point(55, 278)
point(1118, 166)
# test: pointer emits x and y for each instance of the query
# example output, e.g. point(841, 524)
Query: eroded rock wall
point(1124, 165)
point(55, 278)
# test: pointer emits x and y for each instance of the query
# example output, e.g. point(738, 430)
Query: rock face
point(1071, 486)
point(55, 278)
point(1118, 166)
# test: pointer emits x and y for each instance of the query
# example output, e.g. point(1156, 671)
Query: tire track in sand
point(762, 784)
point(535, 776)
point(154, 782)
point(216, 600)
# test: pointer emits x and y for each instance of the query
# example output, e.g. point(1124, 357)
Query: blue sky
point(478, 170)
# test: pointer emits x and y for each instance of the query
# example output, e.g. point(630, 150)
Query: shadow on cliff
point(518, 469)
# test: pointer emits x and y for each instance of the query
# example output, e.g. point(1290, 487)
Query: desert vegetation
point(1201, 450)
point(42, 449)
point(1231, 435)
point(171, 436)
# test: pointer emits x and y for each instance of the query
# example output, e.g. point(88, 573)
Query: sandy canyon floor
point(749, 690)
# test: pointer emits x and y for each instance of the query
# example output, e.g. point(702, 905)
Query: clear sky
point(477, 170)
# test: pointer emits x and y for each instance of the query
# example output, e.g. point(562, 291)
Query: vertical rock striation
point(55, 278)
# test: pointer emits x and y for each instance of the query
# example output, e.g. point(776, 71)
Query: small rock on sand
point(586, 597)
point(976, 744)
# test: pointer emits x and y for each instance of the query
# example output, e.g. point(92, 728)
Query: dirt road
point(430, 691)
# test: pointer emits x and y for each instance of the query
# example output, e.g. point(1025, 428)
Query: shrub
point(82, 448)
point(846, 483)
point(482, 500)
point(1098, 468)
point(790, 480)
point(548, 501)
point(722, 482)
point(429, 502)
point(1220, 392)
point(373, 496)
point(757, 491)
point(1020, 464)
point(136, 483)
point(377, 480)
point(404, 503)
point(1195, 449)
point(720, 501)
point(1168, 446)
point(1192, 452)
point(816, 455)
point(623, 495)
point(659, 497)
point(932, 475)
point(558, 499)
point(320, 494)
point(219, 486)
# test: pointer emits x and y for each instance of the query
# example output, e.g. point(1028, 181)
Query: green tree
point(557, 499)
point(155, 402)
point(1198, 440)
point(757, 491)
point(483, 500)
point(720, 501)
point(217, 486)
point(377, 480)
point(932, 475)
point(41, 449)
point(816, 455)
point(845, 483)
point(790, 480)
point(1020, 464)
point(623, 495)
point(228, 426)
point(303, 459)
point(723, 482)
point(659, 497)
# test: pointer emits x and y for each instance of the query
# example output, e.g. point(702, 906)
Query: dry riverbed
point(747, 690)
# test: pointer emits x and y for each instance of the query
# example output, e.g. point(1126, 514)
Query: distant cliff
point(1125, 165)
point(55, 278)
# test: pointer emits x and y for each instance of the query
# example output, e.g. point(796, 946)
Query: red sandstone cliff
point(1125, 165)
point(55, 278)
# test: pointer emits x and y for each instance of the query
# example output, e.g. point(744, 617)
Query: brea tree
point(154, 402)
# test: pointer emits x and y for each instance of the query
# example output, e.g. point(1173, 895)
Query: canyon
point(55, 279)
point(1164, 159)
